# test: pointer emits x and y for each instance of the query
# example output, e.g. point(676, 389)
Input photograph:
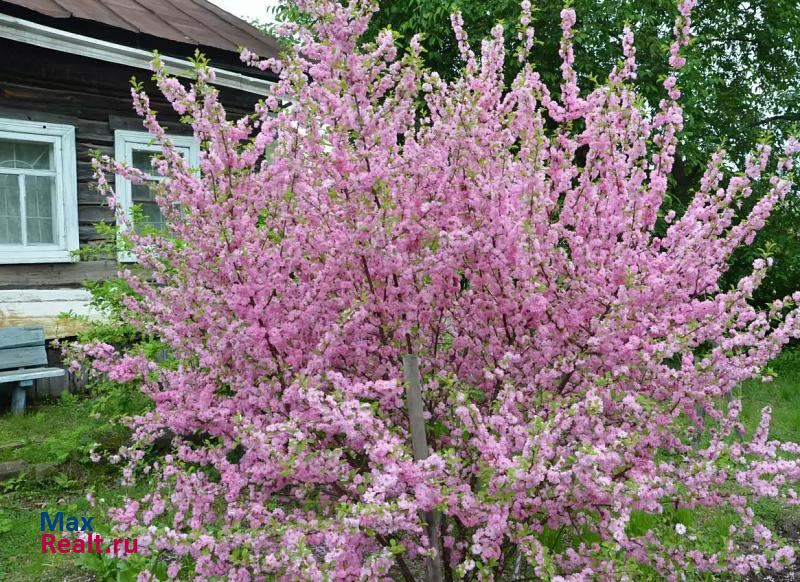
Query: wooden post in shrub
point(419, 445)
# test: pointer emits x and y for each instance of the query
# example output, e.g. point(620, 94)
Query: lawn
point(782, 395)
point(56, 437)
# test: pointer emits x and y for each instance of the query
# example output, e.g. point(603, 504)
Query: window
point(136, 149)
point(38, 192)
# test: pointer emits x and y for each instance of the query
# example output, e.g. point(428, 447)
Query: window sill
point(27, 256)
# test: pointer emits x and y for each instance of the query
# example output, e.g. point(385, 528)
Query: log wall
point(37, 84)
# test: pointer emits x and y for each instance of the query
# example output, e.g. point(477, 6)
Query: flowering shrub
point(575, 343)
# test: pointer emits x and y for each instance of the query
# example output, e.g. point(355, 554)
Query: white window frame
point(125, 142)
point(62, 138)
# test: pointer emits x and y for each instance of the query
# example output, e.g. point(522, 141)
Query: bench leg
point(18, 397)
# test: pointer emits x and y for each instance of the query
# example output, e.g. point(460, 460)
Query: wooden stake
point(419, 446)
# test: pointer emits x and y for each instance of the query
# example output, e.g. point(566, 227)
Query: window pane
point(143, 192)
point(7, 154)
point(10, 217)
point(141, 160)
point(149, 216)
point(152, 217)
point(39, 209)
point(143, 196)
point(26, 155)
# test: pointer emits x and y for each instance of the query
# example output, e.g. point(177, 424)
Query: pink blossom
point(510, 237)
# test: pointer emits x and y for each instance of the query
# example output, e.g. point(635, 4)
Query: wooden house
point(65, 91)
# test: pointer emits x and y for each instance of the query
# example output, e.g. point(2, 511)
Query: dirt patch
point(789, 527)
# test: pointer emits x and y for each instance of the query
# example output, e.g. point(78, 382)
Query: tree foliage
point(743, 72)
point(571, 333)
point(743, 63)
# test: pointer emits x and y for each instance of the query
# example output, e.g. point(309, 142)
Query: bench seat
point(22, 360)
point(30, 374)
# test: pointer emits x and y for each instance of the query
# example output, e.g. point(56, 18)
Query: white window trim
point(125, 141)
point(63, 139)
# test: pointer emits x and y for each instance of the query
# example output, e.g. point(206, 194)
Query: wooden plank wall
point(38, 84)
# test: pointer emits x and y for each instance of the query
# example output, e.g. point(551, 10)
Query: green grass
point(57, 433)
point(782, 395)
point(51, 432)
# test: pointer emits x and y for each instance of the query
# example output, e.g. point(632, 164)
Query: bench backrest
point(22, 347)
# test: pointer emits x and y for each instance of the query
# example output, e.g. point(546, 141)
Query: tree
point(513, 242)
point(743, 67)
point(744, 60)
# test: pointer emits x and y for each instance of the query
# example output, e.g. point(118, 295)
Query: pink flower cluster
point(569, 334)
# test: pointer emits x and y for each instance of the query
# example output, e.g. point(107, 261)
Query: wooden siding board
point(88, 196)
point(45, 276)
point(88, 234)
point(94, 214)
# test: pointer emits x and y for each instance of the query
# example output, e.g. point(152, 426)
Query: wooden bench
point(22, 357)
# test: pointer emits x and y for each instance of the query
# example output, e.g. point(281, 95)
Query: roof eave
point(25, 31)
